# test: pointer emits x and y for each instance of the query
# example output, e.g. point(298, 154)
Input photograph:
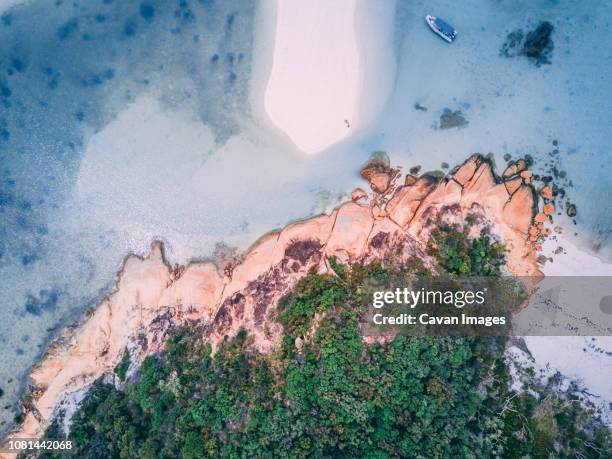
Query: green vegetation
point(458, 254)
point(326, 393)
point(122, 368)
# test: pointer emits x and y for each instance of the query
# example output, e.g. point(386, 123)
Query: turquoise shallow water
point(123, 122)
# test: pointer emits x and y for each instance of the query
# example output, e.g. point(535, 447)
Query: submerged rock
point(451, 119)
point(513, 43)
point(536, 45)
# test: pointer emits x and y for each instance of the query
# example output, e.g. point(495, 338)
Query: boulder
point(358, 194)
point(380, 181)
point(515, 168)
point(512, 185)
point(406, 200)
point(410, 180)
point(467, 170)
point(549, 209)
point(350, 232)
point(546, 192)
point(517, 214)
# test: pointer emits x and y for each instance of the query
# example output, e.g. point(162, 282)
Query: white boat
point(441, 28)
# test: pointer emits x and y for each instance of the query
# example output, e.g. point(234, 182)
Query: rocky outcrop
point(151, 298)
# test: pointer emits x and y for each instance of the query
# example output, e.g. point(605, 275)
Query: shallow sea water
point(124, 122)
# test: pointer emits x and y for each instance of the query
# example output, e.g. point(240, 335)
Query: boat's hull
point(431, 22)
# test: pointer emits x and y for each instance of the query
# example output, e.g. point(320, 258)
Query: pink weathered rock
point(410, 180)
point(380, 182)
point(406, 200)
point(515, 168)
point(518, 213)
point(495, 199)
point(350, 232)
point(446, 193)
point(548, 209)
point(467, 170)
point(378, 212)
point(378, 172)
point(482, 181)
point(359, 195)
point(513, 184)
point(546, 192)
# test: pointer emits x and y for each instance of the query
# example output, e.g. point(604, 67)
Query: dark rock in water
point(507, 157)
point(1, 392)
point(415, 170)
point(444, 165)
point(46, 300)
point(420, 107)
point(451, 119)
point(536, 45)
point(512, 45)
point(571, 210)
point(542, 259)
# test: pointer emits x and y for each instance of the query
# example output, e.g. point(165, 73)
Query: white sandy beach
point(320, 89)
point(580, 358)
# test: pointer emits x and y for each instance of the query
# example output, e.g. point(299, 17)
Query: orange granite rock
point(513, 184)
point(518, 213)
point(546, 192)
point(549, 209)
point(466, 170)
point(410, 180)
point(350, 232)
point(380, 181)
point(359, 194)
point(405, 202)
